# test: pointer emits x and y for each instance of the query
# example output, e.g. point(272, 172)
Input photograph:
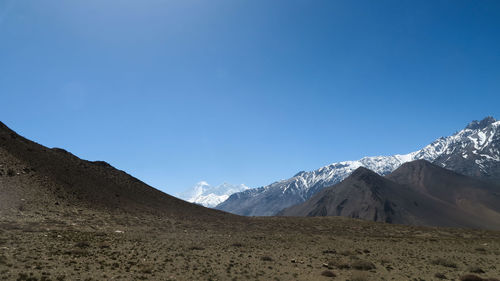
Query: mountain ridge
point(478, 144)
point(417, 193)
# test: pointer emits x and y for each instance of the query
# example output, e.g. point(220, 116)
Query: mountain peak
point(474, 125)
point(361, 171)
point(364, 174)
point(415, 171)
point(210, 196)
point(419, 164)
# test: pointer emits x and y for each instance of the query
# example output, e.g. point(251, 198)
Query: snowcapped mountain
point(474, 151)
point(210, 196)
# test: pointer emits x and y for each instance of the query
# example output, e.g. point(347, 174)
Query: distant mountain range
point(473, 151)
point(210, 196)
point(417, 193)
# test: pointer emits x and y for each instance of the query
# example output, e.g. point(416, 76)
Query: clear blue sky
point(250, 92)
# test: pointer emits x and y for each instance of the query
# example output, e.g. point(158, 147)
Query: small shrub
point(339, 264)
point(10, 173)
point(82, 244)
point(77, 252)
point(146, 268)
point(476, 269)
point(385, 261)
point(347, 253)
point(440, 275)
point(444, 262)
point(103, 245)
point(328, 273)
point(471, 277)
point(363, 265)
point(26, 277)
point(266, 258)
point(329, 252)
point(343, 265)
point(359, 277)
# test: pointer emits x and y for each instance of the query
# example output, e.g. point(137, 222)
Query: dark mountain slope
point(367, 195)
point(448, 186)
point(36, 179)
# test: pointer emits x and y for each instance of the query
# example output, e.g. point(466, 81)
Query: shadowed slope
point(36, 179)
point(471, 195)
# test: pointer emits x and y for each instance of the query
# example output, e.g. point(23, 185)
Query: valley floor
point(332, 248)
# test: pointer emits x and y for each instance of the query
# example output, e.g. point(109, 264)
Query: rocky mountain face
point(210, 196)
point(473, 151)
point(417, 193)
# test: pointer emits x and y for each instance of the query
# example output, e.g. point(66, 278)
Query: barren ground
point(99, 247)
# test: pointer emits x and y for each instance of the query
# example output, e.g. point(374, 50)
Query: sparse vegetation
point(476, 269)
point(340, 264)
point(146, 268)
point(150, 255)
point(77, 252)
point(362, 265)
point(266, 258)
point(440, 275)
point(347, 253)
point(444, 262)
point(471, 277)
point(359, 276)
point(82, 244)
point(10, 172)
point(328, 273)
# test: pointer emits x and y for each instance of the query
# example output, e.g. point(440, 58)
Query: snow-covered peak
point(481, 124)
point(210, 196)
